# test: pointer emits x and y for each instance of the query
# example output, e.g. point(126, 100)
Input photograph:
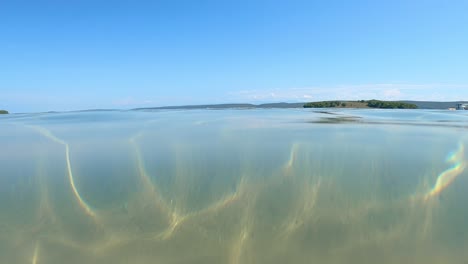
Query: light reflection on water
point(234, 186)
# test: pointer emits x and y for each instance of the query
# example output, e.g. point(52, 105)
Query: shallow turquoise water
point(234, 186)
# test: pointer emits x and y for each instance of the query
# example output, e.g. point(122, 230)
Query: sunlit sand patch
point(45, 220)
point(45, 216)
point(292, 159)
point(178, 219)
point(427, 222)
point(351, 219)
point(147, 184)
point(425, 208)
point(36, 254)
point(304, 210)
point(424, 203)
point(415, 220)
point(111, 240)
point(46, 226)
point(48, 218)
point(168, 234)
point(68, 243)
point(238, 245)
point(416, 213)
point(57, 249)
point(358, 232)
point(425, 200)
point(175, 216)
point(447, 177)
point(45, 212)
point(46, 133)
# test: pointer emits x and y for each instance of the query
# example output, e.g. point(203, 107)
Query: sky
point(60, 55)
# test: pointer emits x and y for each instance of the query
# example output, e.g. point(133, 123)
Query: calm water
point(234, 186)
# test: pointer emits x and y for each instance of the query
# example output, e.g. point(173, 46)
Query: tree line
point(325, 104)
point(390, 104)
point(369, 103)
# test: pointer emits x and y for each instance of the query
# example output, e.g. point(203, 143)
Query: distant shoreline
point(349, 104)
point(361, 104)
point(358, 104)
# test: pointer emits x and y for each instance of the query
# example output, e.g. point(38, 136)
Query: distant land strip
point(227, 106)
point(361, 104)
point(342, 104)
point(348, 104)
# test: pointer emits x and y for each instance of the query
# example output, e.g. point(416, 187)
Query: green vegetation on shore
point(325, 104)
point(3, 112)
point(390, 104)
point(361, 104)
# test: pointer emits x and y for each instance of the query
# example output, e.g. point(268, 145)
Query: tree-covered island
point(361, 104)
point(3, 112)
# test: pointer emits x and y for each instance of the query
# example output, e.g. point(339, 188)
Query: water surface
point(234, 186)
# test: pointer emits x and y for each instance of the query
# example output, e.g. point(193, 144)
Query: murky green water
point(234, 186)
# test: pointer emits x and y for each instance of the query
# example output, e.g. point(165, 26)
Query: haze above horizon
point(71, 55)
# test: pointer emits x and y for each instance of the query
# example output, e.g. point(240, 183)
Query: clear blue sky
point(67, 55)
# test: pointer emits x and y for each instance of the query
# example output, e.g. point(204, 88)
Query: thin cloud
point(385, 91)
